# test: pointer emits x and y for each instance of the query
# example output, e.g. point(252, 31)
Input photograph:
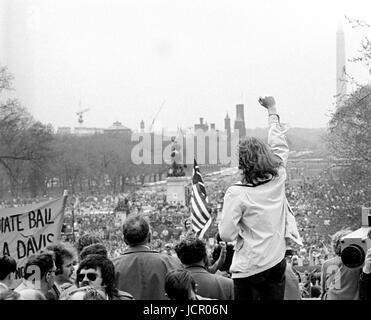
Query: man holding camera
point(338, 281)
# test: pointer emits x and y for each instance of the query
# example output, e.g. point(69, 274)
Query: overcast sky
point(122, 59)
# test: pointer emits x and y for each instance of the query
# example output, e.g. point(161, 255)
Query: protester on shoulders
point(256, 214)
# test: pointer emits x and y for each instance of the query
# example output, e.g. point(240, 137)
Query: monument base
point(176, 190)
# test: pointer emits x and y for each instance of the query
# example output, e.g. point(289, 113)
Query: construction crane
point(154, 118)
point(80, 113)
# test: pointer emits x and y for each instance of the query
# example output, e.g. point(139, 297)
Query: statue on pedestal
point(175, 169)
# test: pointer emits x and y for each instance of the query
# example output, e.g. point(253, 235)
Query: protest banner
point(26, 230)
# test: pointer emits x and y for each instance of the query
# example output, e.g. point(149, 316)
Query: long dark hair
point(256, 160)
point(107, 269)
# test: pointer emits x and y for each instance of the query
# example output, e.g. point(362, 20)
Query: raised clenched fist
point(267, 102)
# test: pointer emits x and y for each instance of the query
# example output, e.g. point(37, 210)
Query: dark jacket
point(211, 285)
point(53, 293)
point(142, 271)
point(365, 286)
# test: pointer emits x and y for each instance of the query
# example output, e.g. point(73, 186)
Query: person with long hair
point(256, 212)
point(98, 271)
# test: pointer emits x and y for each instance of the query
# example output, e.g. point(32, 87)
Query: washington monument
point(341, 85)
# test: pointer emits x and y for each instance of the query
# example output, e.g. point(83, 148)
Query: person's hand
point(223, 246)
point(367, 266)
point(267, 102)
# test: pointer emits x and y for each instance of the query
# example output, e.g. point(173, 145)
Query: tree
point(349, 134)
point(24, 142)
point(70, 166)
point(349, 129)
point(365, 52)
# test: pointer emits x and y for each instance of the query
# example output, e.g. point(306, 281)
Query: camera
point(354, 246)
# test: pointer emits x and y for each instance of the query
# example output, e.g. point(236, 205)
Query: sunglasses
point(91, 276)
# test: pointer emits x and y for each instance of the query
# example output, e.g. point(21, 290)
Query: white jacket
point(259, 218)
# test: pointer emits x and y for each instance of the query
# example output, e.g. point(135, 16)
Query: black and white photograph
point(167, 151)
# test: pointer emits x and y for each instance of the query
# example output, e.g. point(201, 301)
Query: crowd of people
point(84, 271)
point(318, 203)
point(138, 246)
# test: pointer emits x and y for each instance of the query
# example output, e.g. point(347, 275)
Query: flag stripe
point(201, 235)
point(198, 216)
point(201, 218)
point(196, 225)
point(200, 202)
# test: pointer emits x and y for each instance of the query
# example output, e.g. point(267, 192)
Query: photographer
point(365, 279)
point(338, 281)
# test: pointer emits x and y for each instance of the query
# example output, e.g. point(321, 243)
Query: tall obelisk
point(341, 85)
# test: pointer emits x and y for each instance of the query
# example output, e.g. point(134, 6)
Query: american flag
point(201, 218)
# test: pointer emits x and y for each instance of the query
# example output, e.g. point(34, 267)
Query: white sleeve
point(231, 215)
point(277, 139)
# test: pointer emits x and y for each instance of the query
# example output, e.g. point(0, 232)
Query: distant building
point(116, 128)
point(64, 130)
point(85, 131)
point(227, 125)
point(203, 126)
point(239, 123)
